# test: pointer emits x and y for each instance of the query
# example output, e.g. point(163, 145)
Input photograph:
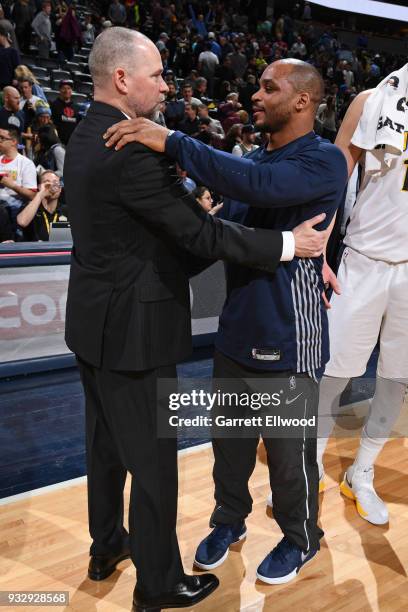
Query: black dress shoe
point(100, 567)
point(186, 593)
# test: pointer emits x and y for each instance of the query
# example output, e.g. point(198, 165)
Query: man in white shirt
point(298, 49)
point(248, 142)
point(18, 177)
point(207, 65)
point(26, 89)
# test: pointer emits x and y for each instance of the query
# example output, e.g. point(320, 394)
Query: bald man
point(135, 232)
point(10, 115)
point(273, 334)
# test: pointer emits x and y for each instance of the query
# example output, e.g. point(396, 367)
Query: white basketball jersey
point(378, 226)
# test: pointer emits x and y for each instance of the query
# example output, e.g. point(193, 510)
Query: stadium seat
point(85, 88)
point(58, 75)
point(39, 71)
point(51, 95)
point(44, 81)
point(78, 97)
point(81, 77)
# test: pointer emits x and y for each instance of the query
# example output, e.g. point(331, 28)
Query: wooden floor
point(44, 544)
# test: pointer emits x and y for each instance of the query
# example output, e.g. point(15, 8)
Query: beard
point(275, 123)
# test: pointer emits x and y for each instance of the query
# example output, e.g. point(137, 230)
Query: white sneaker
point(321, 489)
point(358, 486)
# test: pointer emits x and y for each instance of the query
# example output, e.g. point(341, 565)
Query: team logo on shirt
point(292, 383)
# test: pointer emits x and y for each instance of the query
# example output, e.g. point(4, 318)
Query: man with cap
point(248, 142)
point(64, 112)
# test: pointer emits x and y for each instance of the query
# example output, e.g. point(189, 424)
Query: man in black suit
point(128, 315)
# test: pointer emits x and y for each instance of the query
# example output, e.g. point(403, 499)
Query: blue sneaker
point(213, 550)
point(283, 563)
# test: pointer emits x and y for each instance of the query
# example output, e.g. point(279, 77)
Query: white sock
point(385, 408)
point(330, 391)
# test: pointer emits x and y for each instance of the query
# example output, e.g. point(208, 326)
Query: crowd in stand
point(213, 55)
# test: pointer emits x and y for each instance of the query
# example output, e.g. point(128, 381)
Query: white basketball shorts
point(373, 302)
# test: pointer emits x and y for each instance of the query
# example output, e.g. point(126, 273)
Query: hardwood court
point(44, 544)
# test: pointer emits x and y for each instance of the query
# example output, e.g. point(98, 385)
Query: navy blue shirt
point(281, 315)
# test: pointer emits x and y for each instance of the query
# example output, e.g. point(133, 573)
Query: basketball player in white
point(373, 279)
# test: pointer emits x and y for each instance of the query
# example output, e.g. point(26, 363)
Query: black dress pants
point(293, 471)
point(121, 436)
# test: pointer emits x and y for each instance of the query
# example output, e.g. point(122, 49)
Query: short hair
point(305, 77)
point(187, 84)
point(199, 191)
point(26, 79)
point(205, 121)
point(41, 177)
point(114, 47)
point(193, 106)
point(14, 133)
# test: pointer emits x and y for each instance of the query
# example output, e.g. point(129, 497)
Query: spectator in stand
point(41, 25)
point(188, 183)
point(207, 64)
point(214, 125)
point(162, 42)
point(298, 49)
point(190, 124)
point(247, 145)
point(28, 101)
point(199, 22)
point(233, 137)
point(64, 112)
point(18, 183)
point(174, 110)
point(22, 15)
point(117, 13)
point(326, 115)
point(239, 62)
point(207, 136)
point(187, 93)
point(51, 153)
point(247, 90)
point(200, 89)
point(203, 196)
point(229, 111)
point(8, 27)
point(36, 217)
point(225, 71)
point(9, 58)
point(10, 115)
point(182, 60)
point(215, 47)
point(69, 36)
point(88, 35)
point(23, 73)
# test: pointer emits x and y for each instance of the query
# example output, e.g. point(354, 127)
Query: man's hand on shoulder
point(308, 241)
point(140, 130)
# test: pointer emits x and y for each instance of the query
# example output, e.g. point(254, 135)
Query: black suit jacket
point(134, 227)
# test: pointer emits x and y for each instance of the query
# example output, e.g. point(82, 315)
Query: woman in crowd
point(51, 154)
point(203, 196)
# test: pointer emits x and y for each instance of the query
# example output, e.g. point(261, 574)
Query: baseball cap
point(211, 35)
point(43, 110)
point(65, 82)
point(164, 34)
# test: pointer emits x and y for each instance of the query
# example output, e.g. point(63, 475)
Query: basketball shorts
point(373, 304)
